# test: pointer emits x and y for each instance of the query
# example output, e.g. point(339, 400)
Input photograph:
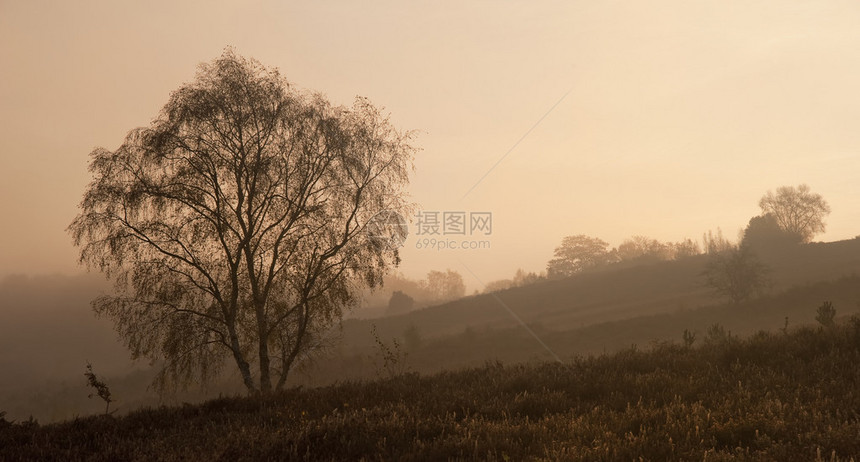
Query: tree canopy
point(797, 210)
point(577, 254)
point(234, 225)
point(764, 233)
point(445, 285)
point(399, 303)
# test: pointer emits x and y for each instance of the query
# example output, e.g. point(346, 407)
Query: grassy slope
point(609, 295)
point(515, 344)
point(770, 397)
point(594, 313)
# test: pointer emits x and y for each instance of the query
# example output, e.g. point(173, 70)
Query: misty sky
point(678, 116)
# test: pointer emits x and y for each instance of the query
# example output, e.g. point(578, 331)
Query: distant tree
point(396, 281)
point(577, 254)
point(445, 285)
point(736, 273)
point(495, 286)
point(412, 338)
point(644, 248)
point(797, 210)
point(715, 242)
point(400, 303)
point(523, 278)
point(236, 225)
point(764, 232)
point(686, 248)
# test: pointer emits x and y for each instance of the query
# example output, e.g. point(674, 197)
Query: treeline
point(582, 253)
point(400, 294)
point(790, 216)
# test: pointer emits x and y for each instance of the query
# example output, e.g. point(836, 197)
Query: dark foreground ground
point(774, 396)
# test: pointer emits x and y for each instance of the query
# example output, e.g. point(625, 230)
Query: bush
point(101, 388)
point(717, 335)
point(826, 314)
point(689, 338)
point(736, 273)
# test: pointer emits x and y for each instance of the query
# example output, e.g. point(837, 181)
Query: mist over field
point(499, 231)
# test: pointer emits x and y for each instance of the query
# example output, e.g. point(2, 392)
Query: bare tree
point(523, 278)
point(715, 243)
point(445, 285)
point(797, 210)
point(736, 273)
point(644, 249)
point(686, 248)
point(234, 225)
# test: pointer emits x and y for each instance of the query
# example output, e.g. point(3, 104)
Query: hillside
point(597, 312)
point(473, 347)
point(775, 396)
point(43, 353)
point(612, 294)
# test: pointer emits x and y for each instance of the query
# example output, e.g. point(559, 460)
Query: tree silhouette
point(577, 254)
point(715, 243)
point(764, 233)
point(445, 285)
point(101, 388)
point(642, 248)
point(399, 303)
point(736, 273)
point(797, 210)
point(234, 226)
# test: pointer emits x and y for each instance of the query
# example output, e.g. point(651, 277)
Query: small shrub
point(689, 338)
point(826, 313)
point(101, 388)
point(393, 359)
point(853, 329)
point(717, 335)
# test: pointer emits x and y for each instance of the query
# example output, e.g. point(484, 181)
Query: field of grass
point(779, 396)
point(612, 294)
point(473, 347)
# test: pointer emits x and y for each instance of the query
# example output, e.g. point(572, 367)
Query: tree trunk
point(289, 359)
point(263, 335)
point(244, 367)
point(265, 374)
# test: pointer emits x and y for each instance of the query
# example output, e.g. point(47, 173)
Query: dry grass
point(772, 396)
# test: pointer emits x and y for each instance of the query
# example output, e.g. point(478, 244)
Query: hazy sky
point(678, 116)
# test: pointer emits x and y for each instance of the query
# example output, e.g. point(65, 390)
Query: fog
point(612, 120)
point(677, 116)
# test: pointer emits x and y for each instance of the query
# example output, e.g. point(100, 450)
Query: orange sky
point(678, 117)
